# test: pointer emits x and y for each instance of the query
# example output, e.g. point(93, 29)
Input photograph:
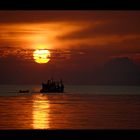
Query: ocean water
point(80, 107)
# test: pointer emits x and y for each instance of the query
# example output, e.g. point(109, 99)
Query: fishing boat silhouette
point(52, 87)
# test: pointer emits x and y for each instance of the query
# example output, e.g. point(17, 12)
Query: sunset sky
point(80, 44)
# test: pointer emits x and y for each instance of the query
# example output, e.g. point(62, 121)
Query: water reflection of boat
point(52, 87)
point(23, 91)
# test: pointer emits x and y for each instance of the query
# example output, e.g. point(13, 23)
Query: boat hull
point(51, 91)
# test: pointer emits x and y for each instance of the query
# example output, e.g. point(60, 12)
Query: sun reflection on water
point(41, 107)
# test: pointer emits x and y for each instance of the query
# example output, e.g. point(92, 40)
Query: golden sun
point(41, 56)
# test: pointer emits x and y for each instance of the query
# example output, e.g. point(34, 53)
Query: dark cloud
point(37, 16)
point(120, 71)
point(66, 15)
point(48, 16)
point(112, 27)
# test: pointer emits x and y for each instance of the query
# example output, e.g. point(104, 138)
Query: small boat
point(52, 87)
point(23, 91)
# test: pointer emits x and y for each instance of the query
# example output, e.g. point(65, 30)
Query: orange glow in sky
point(30, 35)
point(108, 32)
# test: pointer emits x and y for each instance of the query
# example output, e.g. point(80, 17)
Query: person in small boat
point(23, 91)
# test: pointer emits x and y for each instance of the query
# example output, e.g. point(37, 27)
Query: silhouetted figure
point(57, 85)
point(61, 85)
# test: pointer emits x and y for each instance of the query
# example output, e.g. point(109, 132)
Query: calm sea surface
point(80, 107)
